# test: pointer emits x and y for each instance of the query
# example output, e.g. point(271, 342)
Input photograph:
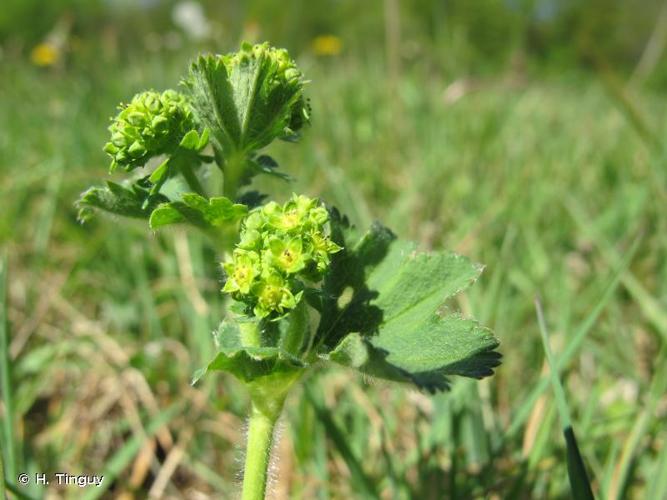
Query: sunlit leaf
point(198, 211)
point(134, 200)
point(248, 98)
point(395, 313)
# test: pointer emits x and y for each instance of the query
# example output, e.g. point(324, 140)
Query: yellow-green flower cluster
point(152, 124)
point(280, 247)
point(285, 68)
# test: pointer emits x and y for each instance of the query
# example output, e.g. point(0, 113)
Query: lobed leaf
point(249, 98)
point(135, 200)
point(250, 363)
point(264, 164)
point(212, 100)
point(392, 326)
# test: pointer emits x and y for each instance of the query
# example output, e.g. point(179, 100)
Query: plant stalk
point(250, 335)
point(191, 178)
point(233, 170)
point(258, 453)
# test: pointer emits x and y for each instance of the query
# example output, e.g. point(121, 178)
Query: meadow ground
point(558, 185)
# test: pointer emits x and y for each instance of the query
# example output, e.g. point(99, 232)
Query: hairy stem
point(268, 395)
point(258, 453)
point(250, 335)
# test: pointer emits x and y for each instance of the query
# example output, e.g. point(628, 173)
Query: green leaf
point(203, 139)
point(227, 337)
point(213, 100)
point(159, 175)
point(420, 342)
point(248, 98)
point(249, 363)
point(352, 351)
point(135, 200)
point(192, 141)
point(240, 354)
point(346, 300)
point(264, 164)
point(8, 434)
point(394, 312)
point(198, 211)
point(267, 372)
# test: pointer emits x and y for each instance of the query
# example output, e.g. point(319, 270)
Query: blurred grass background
point(527, 134)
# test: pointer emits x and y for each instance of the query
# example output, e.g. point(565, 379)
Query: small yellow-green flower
point(241, 272)
point(273, 294)
point(287, 256)
point(251, 239)
point(299, 213)
point(318, 216)
point(322, 248)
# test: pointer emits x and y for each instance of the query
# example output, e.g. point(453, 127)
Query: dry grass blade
point(121, 459)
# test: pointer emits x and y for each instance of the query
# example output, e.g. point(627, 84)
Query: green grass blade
point(579, 482)
point(607, 475)
point(17, 492)
point(641, 428)
point(559, 392)
point(658, 486)
point(573, 345)
point(209, 476)
point(362, 481)
point(8, 419)
point(44, 223)
point(650, 306)
point(620, 97)
point(576, 470)
point(2, 478)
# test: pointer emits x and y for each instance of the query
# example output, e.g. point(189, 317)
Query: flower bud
point(151, 125)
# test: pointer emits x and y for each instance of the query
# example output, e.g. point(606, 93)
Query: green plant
point(305, 287)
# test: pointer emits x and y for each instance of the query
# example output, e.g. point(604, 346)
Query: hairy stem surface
point(258, 453)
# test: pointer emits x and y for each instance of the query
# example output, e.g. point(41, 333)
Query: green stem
point(191, 178)
point(258, 453)
point(297, 329)
point(250, 334)
point(233, 170)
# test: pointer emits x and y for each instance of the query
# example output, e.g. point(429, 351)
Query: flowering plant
point(304, 286)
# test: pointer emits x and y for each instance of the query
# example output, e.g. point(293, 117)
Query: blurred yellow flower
point(327, 45)
point(45, 54)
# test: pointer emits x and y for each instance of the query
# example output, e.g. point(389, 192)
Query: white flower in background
point(190, 17)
